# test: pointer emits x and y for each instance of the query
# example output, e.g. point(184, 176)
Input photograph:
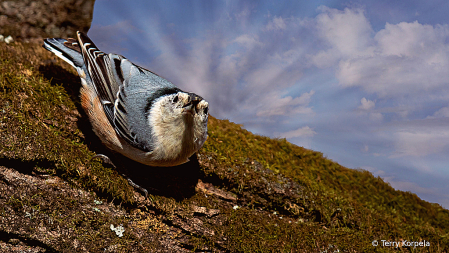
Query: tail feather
point(64, 51)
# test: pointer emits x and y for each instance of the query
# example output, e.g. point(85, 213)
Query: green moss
point(38, 120)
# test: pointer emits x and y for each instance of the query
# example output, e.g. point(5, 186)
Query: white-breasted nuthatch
point(132, 110)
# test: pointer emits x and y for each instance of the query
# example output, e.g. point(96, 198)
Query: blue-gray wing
point(125, 90)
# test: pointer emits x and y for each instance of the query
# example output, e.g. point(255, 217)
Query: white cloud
point(442, 113)
point(366, 104)
point(300, 132)
point(419, 142)
point(366, 108)
point(413, 40)
point(404, 58)
point(277, 23)
point(287, 105)
point(347, 32)
point(406, 139)
point(249, 41)
point(251, 80)
point(408, 58)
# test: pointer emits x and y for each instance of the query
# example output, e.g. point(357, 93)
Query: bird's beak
point(192, 103)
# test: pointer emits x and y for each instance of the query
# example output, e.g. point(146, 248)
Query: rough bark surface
point(26, 19)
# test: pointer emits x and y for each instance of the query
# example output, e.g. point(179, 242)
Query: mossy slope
point(241, 192)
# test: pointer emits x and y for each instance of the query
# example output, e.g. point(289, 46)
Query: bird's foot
point(108, 161)
point(136, 185)
point(104, 158)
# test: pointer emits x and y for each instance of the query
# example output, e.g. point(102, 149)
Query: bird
point(134, 111)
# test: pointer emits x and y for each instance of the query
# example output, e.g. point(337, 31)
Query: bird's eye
point(205, 110)
point(175, 99)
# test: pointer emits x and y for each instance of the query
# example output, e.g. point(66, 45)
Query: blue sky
point(364, 82)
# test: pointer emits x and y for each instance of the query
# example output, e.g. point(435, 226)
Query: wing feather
point(109, 81)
